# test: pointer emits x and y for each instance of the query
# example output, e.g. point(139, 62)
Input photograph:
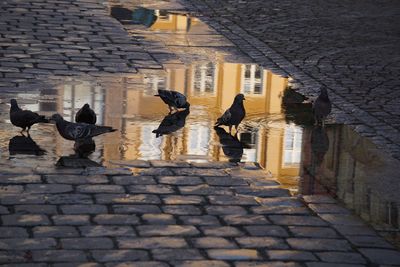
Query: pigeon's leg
point(170, 109)
point(230, 129)
point(236, 128)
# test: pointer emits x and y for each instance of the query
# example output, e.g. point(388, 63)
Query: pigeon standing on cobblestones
point(234, 115)
point(77, 131)
point(24, 118)
point(322, 107)
point(173, 99)
point(86, 115)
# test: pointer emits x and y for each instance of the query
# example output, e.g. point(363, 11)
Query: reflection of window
point(154, 83)
point(150, 147)
point(199, 137)
point(75, 96)
point(204, 76)
point(292, 145)
point(252, 79)
point(162, 14)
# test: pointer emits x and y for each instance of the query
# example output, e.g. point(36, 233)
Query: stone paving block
point(77, 264)
point(83, 209)
point(245, 219)
point(35, 209)
point(136, 180)
point(127, 199)
point(262, 191)
point(107, 171)
point(119, 255)
point(136, 209)
point(68, 199)
point(48, 188)
point(213, 242)
point(15, 199)
point(176, 254)
point(54, 231)
point(232, 200)
point(11, 189)
point(341, 257)
point(179, 180)
point(151, 242)
point(169, 164)
point(167, 230)
point(76, 179)
point(297, 220)
point(59, 255)
point(183, 200)
point(319, 199)
point(132, 163)
point(181, 209)
point(116, 219)
point(4, 210)
point(158, 218)
point(20, 179)
point(100, 188)
point(267, 264)
point(319, 244)
point(27, 243)
point(108, 230)
point(280, 202)
point(354, 230)
point(198, 172)
point(200, 220)
point(328, 208)
point(138, 264)
point(290, 255)
point(87, 243)
point(381, 256)
point(200, 263)
point(266, 230)
point(9, 256)
point(305, 231)
point(342, 219)
point(25, 219)
point(261, 242)
point(224, 181)
point(213, 165)
point(70, 219)
point(13, 232)
point(225, 231)
point(204, 189)
point(233, 254)
point(369, 241)
point(154, 172)
point(225, 210)
point(151, 189)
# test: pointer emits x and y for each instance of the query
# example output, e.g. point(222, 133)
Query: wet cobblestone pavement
point(349, 47)
point(176, 213)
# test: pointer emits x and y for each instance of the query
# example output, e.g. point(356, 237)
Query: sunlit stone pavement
point(165, 213)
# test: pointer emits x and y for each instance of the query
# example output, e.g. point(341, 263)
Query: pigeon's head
point(13, 103)
point(86, 106)
point(324, 92)
point(239, 98)
point(56, 117)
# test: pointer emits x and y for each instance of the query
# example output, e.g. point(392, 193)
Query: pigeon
point(172, 123)
point(233, 115)
point(231, 146)
point(322, 107)
point(173, 99)
point(24, 118)
point(84, 147)
point(319, 144)
point(77, 131)
point(86, 115)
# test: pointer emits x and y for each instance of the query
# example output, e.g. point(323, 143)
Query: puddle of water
point(206, 68)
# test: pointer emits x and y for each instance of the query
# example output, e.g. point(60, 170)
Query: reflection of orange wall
point(174, 22)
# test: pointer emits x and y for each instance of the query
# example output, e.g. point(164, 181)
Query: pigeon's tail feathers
point(102, 130)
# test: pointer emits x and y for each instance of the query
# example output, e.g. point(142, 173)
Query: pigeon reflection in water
point(319, 144)
point(21, 144)
point(231, 146)
point(172, 123)
point(83, 148)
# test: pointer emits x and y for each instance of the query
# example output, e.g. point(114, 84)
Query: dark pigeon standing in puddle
point(77, 131)
point(86, 115)
point(234, 115)
point(172, 123)
point(173, 99)
point(322, 107)
point(24, 118)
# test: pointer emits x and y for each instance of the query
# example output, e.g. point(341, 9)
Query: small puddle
point(277, 133)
